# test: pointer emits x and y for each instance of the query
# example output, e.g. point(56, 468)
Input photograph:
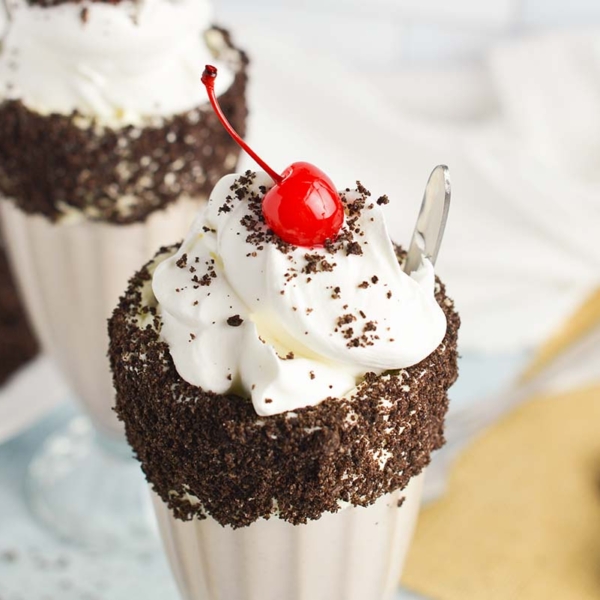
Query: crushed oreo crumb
point(354, 248)
point(88, 167)
point(235, 321)
point(210, 454)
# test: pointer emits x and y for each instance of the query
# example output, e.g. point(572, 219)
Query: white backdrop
point(383, 92)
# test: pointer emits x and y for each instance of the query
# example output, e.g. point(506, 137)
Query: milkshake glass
point(357, 554)
point(107, 149)
point(284, 400)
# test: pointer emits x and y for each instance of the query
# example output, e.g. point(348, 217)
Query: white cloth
point(521, 250)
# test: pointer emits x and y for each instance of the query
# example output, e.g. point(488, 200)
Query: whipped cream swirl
point(246, 313)
point(119, 63)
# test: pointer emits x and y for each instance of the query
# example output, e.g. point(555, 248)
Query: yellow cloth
point(584, 320)
point(521, 519)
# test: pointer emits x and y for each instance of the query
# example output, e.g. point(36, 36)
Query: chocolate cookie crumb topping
point(57, 165)
point(211, 455)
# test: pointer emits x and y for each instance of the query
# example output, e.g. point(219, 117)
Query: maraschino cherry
point(303, 207)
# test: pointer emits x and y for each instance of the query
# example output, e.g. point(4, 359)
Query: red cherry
point(303, 207)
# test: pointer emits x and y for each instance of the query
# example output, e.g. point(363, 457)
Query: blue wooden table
point(36, 566)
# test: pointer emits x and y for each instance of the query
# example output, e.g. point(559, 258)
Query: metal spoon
point(429, 230)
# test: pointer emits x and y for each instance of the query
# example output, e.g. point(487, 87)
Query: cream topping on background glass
point(236, 319)
point(119, 63)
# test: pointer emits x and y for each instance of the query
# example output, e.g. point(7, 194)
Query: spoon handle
point(429, 230)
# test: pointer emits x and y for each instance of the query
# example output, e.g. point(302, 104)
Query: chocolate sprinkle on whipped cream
point(286, 297)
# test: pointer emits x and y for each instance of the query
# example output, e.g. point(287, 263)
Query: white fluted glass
point(71, 276)
point(355, 554)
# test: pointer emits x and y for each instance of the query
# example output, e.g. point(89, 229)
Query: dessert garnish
point(303, 207)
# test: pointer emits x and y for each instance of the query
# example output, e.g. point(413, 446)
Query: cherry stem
point(208, 79)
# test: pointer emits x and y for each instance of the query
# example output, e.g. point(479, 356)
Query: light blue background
point(35, 566)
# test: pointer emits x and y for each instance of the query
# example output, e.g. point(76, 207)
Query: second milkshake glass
point(87, 200)
point(356, 554)
point(82, 484)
